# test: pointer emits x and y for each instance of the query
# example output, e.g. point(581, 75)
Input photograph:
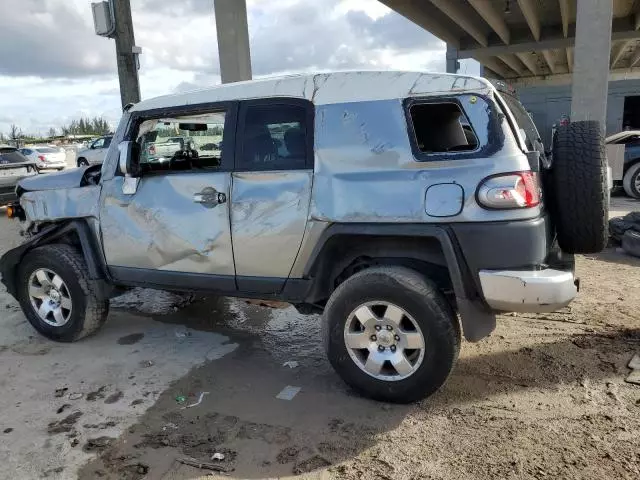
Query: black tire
point(631, 243)
point(82, 162)
point(630, 181)
point(580, 198)
point(424, 302)
point(88, 311)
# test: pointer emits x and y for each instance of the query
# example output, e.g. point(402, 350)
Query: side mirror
point(92, 147)
point(128, 162)
point(129, 166)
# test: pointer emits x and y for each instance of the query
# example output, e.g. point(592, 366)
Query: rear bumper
point(528, 290)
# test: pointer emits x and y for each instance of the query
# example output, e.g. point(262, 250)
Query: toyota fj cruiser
point(409, 207)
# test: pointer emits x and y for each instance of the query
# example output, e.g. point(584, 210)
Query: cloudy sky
point(53, 68)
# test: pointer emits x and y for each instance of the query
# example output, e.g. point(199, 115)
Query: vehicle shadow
point(326, 423)
point(612, 255)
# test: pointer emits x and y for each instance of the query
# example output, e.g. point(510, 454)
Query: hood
point(53, 181)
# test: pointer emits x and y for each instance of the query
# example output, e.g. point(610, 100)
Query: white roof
point(328, 88)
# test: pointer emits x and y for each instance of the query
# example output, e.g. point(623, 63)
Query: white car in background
point(46, 157)
point(95, 153)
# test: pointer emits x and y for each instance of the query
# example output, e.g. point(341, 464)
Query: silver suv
point(408, 207)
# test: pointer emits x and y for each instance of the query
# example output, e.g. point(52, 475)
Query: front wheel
point(57, 296)
point(391, 335)
point(82, 162)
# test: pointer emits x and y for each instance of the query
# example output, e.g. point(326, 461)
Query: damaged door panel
point(162, 227)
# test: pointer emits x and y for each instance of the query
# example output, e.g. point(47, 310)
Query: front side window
point(181, 142)
point(274, 137)
point(98, 143)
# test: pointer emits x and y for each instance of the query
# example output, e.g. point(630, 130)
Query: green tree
point(52, 132)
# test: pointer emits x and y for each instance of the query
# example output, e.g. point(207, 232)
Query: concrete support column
point(591, 61)
point(233, 40)
point(452, 59)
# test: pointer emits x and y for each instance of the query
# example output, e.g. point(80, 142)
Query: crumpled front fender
point(89, 247)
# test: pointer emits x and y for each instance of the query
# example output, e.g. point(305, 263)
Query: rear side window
point(274, 137)
point(442, 127)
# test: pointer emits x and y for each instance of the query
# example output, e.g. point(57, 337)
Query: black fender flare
point(89, 246)
point(478, 321)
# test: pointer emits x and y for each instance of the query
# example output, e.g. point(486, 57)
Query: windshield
point(46, 150)
point(523, 119)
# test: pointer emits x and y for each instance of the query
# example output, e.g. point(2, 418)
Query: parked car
point(94, 154)
point(163, 150)
point(392, 202)
point(46, 157)
point(14, 166)
point(625, 160)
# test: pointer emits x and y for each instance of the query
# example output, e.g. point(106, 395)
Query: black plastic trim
point(290, 290)
point(182, 281)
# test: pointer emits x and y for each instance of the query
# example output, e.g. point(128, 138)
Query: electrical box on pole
point(112, 19)
point(103, 19)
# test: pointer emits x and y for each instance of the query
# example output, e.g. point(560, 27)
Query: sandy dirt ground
point(543, 397)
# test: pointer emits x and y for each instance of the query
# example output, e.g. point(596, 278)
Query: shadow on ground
point(325, 423)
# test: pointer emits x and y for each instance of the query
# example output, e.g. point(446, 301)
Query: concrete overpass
point(527, 42)
point(525, 39)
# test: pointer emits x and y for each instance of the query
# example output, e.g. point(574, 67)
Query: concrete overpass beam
point(497, 66)
point(618, 51)
point(635, 58)
point(550, 61)
point(591, 60)
point(565, 14)
point(513, 63)
point(455, 12)
point(233, 40)
point(530, 12)
point(494, 17)
point(529, 60)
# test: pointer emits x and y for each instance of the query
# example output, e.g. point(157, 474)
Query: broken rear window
point(442, 127)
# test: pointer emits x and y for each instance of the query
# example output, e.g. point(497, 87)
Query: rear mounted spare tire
point(579, 200)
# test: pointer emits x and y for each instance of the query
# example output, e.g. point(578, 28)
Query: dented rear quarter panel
point(366, 171)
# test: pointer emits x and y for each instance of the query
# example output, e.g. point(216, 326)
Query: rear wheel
point(57, 296)
point(631, 181)
point(579, 200)
point(391, 335)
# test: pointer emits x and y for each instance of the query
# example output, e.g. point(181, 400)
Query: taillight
point(152, 149)
point(41, 158)
point(510, 190)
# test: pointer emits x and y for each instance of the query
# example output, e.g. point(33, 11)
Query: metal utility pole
point(126, 52)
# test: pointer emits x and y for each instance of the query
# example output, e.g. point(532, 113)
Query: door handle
point(209, 197)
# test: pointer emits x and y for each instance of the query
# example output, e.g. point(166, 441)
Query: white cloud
point(54, 68)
